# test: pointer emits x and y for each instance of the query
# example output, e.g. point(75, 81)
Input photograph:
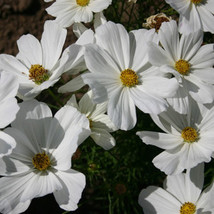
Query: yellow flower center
point(129, 78)
point(189, 134)
point(182, 66)
point(196, 1)
point(41, 161)
point(38, 74)
point(82, 3)
point(188, 208)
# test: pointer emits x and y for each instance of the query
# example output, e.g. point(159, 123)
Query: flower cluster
point(165, 71)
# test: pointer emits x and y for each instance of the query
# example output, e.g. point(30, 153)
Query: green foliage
point(115, 177)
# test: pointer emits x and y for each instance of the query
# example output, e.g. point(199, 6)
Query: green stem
point(110, 204)
point(55, 97)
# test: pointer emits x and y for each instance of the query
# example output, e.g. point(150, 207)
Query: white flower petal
point(8, 111)
point(180, 101)
point(25, 148)
point(99, 91)
point(69, 117)
point(73, 102)
point(171, 121)
point(76, 127)
point(200, 91)
point(32, 91)
point(206, 145)
point(207, 19)
point(46, 133)
point(7, 144)
point(115, 40)
point(169, 162)
point(22, 206)
point(99, 19)
point(11, 166)
point(157, 56)
point(31, 110)
point(194, 154)
point(86, 105)
point(13, 65)
point(72, 60)
point(79, 29)
point(161, 140)
point(190, 22)
point(73, 183)
point(64, 19)
point(86, 37)
point(99, 61)
point(100, 5)
point(52, 42)
point(182, 6)
point(64, 11)
point(206, 124)
point(187, 186)
point(155, 200)
point(169, 39)
point(21, 189)
point(99, 111)
point(139, 49)
point(103, 121)
point(83, 14)
point(121, 109)
point(205, 202)
point(30, 51)
point(102, 138)
point(203, 58)
point(209, 5)
point(147, 102)
point(39, 185)
point(206, 75)
point(11, 189)
point(8, 85)
point(159, 86)
point(73, 85)
point(189, 45)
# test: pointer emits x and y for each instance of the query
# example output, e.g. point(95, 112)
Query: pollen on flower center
point(82, 3)
point(196, 1)
point(189, 134)
point(129, 78)
point(38, 74)
point(41, 161)
point(188, 208)
point(182, 66)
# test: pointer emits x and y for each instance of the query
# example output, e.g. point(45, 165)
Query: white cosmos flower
point(182, 194)
point(121, 74)
point(194, 15)
point(188, 141)
point(40, 163)
point(185, 58)
point(38, 65)
point(69, 11)
point(100, 124)
point(8, 109)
